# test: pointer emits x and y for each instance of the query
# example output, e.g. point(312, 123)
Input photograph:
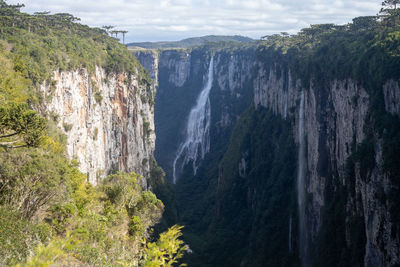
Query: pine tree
point(390, 7)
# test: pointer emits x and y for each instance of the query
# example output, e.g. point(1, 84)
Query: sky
point(171, 20)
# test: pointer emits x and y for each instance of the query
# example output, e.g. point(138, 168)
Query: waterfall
point(301, 188)
point(286, 105)
point(197, 140)
point(290, 234)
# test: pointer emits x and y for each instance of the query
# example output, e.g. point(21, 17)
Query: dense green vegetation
point(49, 209)
point(20, 126)
point(366, 50)
point(49, 213)
point(42, 43)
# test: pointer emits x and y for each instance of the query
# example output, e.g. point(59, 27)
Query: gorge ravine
point(324, 124)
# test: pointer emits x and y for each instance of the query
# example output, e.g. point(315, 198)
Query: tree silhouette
point(114, 32)
point(107, 28)
point(123, 36)
point(390, 12)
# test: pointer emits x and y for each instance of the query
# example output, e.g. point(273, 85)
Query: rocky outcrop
point(107, 118)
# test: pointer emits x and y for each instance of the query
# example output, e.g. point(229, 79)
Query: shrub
point(136, 226)
point(98, 97)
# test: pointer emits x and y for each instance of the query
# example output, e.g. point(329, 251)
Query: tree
point(16, 7)
point(107, 28)
point(167, 250)
point(123, 36)
point(42, 13)
point(365, 23)
point(20, 126)
point(114, 32)
point(3, 4)
point(67, 17)
point(388, 5)
point(390, 11)
point(31, 179)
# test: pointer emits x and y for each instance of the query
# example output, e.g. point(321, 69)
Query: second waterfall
point(197, 139)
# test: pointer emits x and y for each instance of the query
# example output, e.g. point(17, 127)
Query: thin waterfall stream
point(301, 188)
point(197, 139)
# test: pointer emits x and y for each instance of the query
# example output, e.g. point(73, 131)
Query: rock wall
point(391, 91)
point(233, 88)
point(335, 120)
point(149, 60)
point(107, 118)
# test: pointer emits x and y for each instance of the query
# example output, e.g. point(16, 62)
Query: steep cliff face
point(391, 92)
point(336, 116)
point(233, 89)
point(107, 118)
point(149, 60)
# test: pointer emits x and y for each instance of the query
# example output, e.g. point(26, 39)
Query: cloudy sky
point(159, 20)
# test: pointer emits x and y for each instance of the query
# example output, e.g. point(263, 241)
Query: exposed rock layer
point(107, 118)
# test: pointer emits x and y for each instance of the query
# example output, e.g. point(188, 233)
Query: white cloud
point(152, 20)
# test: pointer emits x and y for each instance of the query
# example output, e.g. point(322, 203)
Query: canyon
point(325, 118)
point(282, 151)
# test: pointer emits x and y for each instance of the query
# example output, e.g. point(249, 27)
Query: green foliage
point(98, 97)
point(18, 236)
point(30, 180)
point(124, 192)
point(49, 213)
point(146, 128)
point(20, 126)
point(13, 84)
point(163, 189)
point(366, 50)
point(95, 133)
point(43, 43)
point(256, 202)
point(136, 226)
point(78, 222)
point(48, 255)
point(391, 11)
point(167, 250)
point(67, 126)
